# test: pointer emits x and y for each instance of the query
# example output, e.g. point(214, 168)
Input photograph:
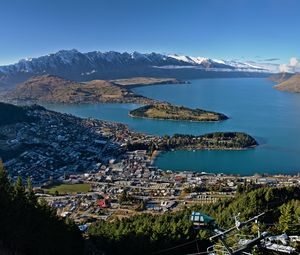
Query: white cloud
point(283, 68)
point(293, 61)
point(292, 67)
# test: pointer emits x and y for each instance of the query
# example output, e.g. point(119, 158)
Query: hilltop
point(291, 85)
point(167, 111)
point(53, 89)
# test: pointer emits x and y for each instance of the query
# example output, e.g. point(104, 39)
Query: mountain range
point(77, 66)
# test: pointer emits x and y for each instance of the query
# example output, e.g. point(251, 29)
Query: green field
point(69, 188)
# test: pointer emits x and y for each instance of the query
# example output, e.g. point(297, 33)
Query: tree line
point(29, 227)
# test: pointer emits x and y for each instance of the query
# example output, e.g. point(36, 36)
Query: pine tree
point(30, 193)
point(287, 218)
point(19, 188)
point(4, 181)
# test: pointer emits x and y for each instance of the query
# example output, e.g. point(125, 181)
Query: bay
point(272, 117)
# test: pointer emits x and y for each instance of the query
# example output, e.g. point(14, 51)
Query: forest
point(217, 140)
point(29, 227)
point(155, 234)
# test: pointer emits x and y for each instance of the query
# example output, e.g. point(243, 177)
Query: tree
point(23, 222)
point(287, 218)
point(4, 181)
point(239, 189)
point(19, 188)
point(30, 193)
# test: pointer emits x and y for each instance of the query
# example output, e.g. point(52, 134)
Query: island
point(167, 111)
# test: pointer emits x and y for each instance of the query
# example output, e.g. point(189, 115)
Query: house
point(102, 203)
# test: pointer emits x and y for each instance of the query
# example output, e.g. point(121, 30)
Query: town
point(60, 150)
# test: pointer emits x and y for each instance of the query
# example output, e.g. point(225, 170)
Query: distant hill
point(291, 85)
point(280, 77)
point(77, 66)
point(53, 89)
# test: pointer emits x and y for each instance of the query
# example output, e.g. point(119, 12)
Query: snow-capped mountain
point(74, 65)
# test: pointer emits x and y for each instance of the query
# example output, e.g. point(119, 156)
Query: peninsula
point(32, 133)
point(54, 89)
point(291, 84)
point(211, 141)
point(168, 111)
point(145, 81)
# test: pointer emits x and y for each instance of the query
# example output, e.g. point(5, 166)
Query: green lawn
point(69, 188)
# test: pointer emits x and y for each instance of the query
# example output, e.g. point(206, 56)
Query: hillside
point(290, 85)
point(280, 77)
point(172, 112)
point(11, 114)
point(32, 228)
point(53, 89)
point(173, 232)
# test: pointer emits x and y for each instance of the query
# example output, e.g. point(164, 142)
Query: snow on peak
point(190, 59)
point(95, 61)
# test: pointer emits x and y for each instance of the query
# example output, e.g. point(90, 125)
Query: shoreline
point(138, 85)
point(156, 153)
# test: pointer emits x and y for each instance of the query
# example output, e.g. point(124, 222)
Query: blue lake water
point(254, 107)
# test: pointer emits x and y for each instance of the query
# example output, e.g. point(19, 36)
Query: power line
point(175, 247)
point(198, 253)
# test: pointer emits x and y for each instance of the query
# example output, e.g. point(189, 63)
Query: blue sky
point(228, 29)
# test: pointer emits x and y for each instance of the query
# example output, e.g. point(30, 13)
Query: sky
point(258, 30)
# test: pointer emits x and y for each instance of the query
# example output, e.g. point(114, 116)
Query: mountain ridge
point(78, 66)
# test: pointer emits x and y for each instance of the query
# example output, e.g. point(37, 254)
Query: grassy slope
point(70, 188)
point(53, 89)
point(291, 85)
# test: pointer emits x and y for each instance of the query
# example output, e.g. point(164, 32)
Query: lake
point(253, 106)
